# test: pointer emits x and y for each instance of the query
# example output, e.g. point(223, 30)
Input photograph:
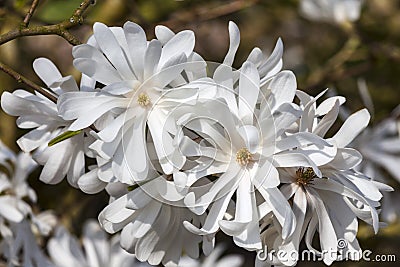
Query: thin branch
point(60, 29)
point(203, 13)
point(336, 61)
point(21, 79)
point(340, 75)
point(29, 15)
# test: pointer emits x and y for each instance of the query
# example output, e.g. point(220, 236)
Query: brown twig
point(336, 61)
point(203, 13)
point(28, 16)
point(340, 75)
point(21, 79)
point(60, 29)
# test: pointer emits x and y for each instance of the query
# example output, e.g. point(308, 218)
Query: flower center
point(143, 100)
point(305, 176)
point(243, 156)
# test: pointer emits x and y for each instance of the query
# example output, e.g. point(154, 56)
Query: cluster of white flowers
point(23, 233)
point(187, 148)
point(20, 227)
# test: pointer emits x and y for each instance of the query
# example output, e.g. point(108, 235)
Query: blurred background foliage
point(321, 55)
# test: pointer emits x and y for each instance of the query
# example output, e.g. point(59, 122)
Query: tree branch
point(28, 16)
point(60, 29)
point(204, 13)
point(21, 79)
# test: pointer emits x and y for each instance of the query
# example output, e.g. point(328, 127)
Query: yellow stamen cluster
point(305, 176)
point(243, 156)
point(143, 100)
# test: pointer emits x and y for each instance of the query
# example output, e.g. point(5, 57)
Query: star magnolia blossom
point(247, 155)
point(380, 148)
point(339, 197)
point(17, 242)
point(99, 251)
point(151, 229)
point(140, 78)
point(13, 187)
point(36, 111)
point(337, 11)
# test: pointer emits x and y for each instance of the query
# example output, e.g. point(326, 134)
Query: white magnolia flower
point(36, 112)
point(152, 226)
point(250, 144)
point(13, 187)
point(98, 251)
point(379, 144)
point(24, 249)
point(18, 244)
point(339, 197)
point(380, 148)
point(337, 11)
point(140, 79)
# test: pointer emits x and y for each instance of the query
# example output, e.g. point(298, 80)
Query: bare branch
point(21, 79)
point(204, 13)
point(28, 16)
point(60, 29)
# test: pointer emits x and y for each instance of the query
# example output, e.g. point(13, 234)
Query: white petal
point(267, 176)
point(283, 87)
point(115, 216)
point(8, 209)
point(346, 158)
point(273, 64)
point(248, 91)
point(281, 209)
point(112, 49)
point(182, 42)
point(234, 40)
point(151, 59)
point(46, 70)
point(137, 43)
point(299, 140)
point(90, 182)
point(105, 74)
point(327, 121)
point(163, 34)
point(57, 164)
point(295, 159)
point(250, 135)
point(351, 128)
point(327, 234)
point(328, 104)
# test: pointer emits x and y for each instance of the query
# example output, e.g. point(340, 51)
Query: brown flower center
point(305, 176)
point(243, 156)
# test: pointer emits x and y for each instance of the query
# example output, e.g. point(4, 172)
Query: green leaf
point(64, 136)
point(132, 187)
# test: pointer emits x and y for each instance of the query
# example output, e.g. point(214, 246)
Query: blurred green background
point(313, 50)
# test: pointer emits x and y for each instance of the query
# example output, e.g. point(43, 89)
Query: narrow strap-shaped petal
point(234, 40)
point(351, 128)
point(112, 49)
point(249, 88)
